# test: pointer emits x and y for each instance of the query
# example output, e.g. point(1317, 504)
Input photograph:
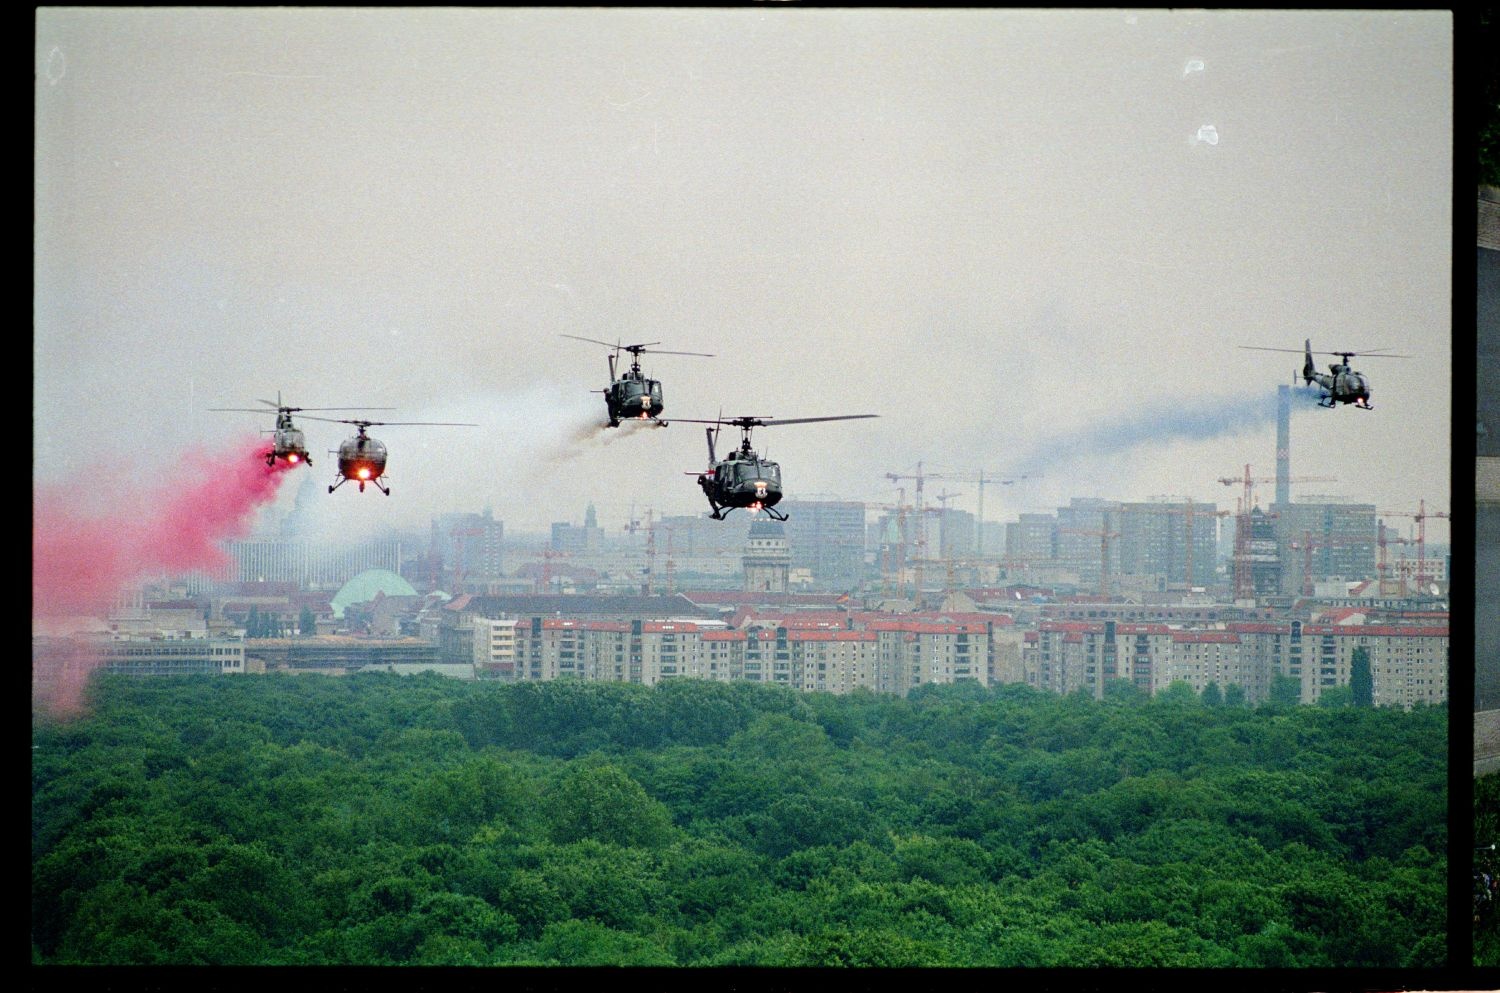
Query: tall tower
point(768, 557)
point(1283, 445)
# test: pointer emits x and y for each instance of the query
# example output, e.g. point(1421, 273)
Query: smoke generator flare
point(81, 560)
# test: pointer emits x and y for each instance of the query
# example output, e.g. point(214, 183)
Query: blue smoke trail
point(1163, 422)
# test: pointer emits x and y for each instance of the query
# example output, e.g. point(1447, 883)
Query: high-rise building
point(309, 564)
point(1088, 538)
point(1262, 554)
point(574, 540)
point(1031, 538)
point(1173, 541)
point(470, 549)
point(957, 534)
point(1329, 540)
point(828, 539)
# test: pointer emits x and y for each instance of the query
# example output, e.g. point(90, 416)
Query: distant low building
point(338, 655)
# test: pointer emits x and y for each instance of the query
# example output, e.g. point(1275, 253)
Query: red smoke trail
point(82, 559)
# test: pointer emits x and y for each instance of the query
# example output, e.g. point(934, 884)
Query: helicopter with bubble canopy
point(362, 458)
point(632, 395)
point(742, 479)
point(1343, 384)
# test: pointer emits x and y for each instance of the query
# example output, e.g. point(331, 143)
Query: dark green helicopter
point(742, 478)
point(288, 441)
point(632, 395)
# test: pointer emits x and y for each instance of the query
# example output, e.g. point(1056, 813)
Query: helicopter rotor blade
point(293, 410)
point(1374, 354)
point(809, 420)
point(753, 421)
point(376, 424)
point(606, 344)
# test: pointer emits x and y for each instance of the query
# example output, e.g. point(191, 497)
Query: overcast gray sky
point(1008, 233)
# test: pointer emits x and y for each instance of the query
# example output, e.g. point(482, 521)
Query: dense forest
point(379, 819)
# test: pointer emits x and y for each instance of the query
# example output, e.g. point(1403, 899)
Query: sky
point(1032, 242)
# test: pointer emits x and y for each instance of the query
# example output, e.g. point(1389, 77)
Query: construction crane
point(889, 566)
point(919, 509)
point(1188, 512)
point(1103, 536)
point(945, 533)
point(1309, 542)
point(1249, 483)
point(460, 567)
point(1381, 566)
point(650, 529)
point(1244, 582)
point(981, 479)
point(1422, 578)
point(544, 583)
point(980, 570)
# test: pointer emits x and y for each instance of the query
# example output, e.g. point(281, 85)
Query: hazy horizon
point(1027, 240)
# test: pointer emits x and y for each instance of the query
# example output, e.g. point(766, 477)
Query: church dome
point(363, 588)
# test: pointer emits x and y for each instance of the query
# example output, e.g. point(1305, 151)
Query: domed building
point(366, 586)
point(767, 559)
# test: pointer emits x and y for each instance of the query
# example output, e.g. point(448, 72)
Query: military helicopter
point(632, 395)
point(742, 478)
point(288, 441)
point(1343, 384)
point(362, 458)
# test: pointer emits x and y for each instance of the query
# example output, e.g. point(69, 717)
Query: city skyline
point(1031, 241)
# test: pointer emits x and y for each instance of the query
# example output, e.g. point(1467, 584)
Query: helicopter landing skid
point(374, 482)
point(722, 512)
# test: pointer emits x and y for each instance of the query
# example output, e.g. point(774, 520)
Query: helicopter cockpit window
point(746, 472)
point(655, 390)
